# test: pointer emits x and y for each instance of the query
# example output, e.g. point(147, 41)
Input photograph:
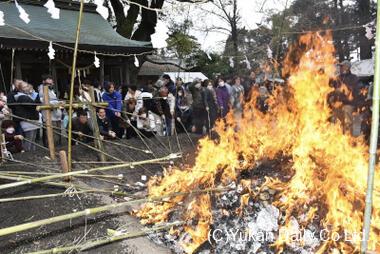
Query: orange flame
point(329, 168)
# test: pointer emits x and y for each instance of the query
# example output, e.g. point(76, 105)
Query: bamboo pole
point(98, 142)
point(49, 128)
point(75, 105)
point(5, 200)
point(65, 185)
point(73, 71)
point(373, 140)
point(57, 176)
point(95, 210)
point(109, 239)
point(64, 164)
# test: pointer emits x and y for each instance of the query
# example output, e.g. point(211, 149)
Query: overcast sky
point(252, 12)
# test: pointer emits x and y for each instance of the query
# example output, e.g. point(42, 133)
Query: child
point(13, 141)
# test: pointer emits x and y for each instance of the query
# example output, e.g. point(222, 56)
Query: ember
point(326, 192)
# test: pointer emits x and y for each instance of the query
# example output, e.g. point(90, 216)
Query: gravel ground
point(72, 232)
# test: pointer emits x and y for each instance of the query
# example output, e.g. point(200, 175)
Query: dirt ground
point(81, 229)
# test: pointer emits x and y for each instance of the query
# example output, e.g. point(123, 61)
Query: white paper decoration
point(232, 64)
point(247, 63)
point(149, 3)
point(269, 52)
point(51, 52)
point(368, 32)
point(101, 9)
point(96, 61)
point(50, 5)
point(209, 57)
point(2, 22)
point(23, 15)
point(160, 36)
point(137, 63)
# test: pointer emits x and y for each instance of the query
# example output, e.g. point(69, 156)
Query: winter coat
point(104, 126)
point(56, 113)
point(26, 111)
point(166, 106)
point(199, 97)
point(237, 97)
point(114, 103)
point(223, 98)
point(84, 128)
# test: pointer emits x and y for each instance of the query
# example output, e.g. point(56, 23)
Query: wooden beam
point(49, 128)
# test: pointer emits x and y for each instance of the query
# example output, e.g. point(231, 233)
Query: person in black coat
point(81, 128)
point(105, 128)
point(28, 100)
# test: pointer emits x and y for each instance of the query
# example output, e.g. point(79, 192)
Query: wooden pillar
point(98, 142)
point(127, 77)
point(49, 128)
point(18, 67)
point(101, 72)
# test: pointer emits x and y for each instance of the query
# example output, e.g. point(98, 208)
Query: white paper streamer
point(247, 63)
point(51, 52)
point(368, 32)
point(232, 64)
point(137, 63)
point(2, 22)
point(208, 56)
point(96, 61)
point(160, 36)
point(269, 52)
point(50, 5)
point(101, 9)
point(23, 15)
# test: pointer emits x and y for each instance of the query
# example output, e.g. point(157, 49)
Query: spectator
point(348, 84)
point(11, 103)
point(27, 112)
point(183, 108)
point(13, 140)
point(113, 111)
point(131, 115)
point(237, 97)
point(4, 110)
point(198, 107)
point(146, 122)
point(133, 93)
point(105, 128)
point(249, 84)
point(56, 114)
point(223, 97)
point(81, 128)
point(166, 109)
point(168, 82)
point(212, 104)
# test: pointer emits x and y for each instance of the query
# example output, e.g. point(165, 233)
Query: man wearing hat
point(348, 85)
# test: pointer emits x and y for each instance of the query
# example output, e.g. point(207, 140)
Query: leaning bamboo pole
point(373, 140)
point(82, 172)
point(73, 71)
point(95, 210)
point(109, 239)
point(74, 105)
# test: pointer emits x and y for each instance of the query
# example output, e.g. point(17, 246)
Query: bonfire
point(315, 183)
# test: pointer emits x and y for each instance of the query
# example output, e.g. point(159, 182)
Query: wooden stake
point(49, 128)
point(94, 119)
point(64, 164)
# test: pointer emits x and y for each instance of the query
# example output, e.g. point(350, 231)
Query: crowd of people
point(162, 108)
